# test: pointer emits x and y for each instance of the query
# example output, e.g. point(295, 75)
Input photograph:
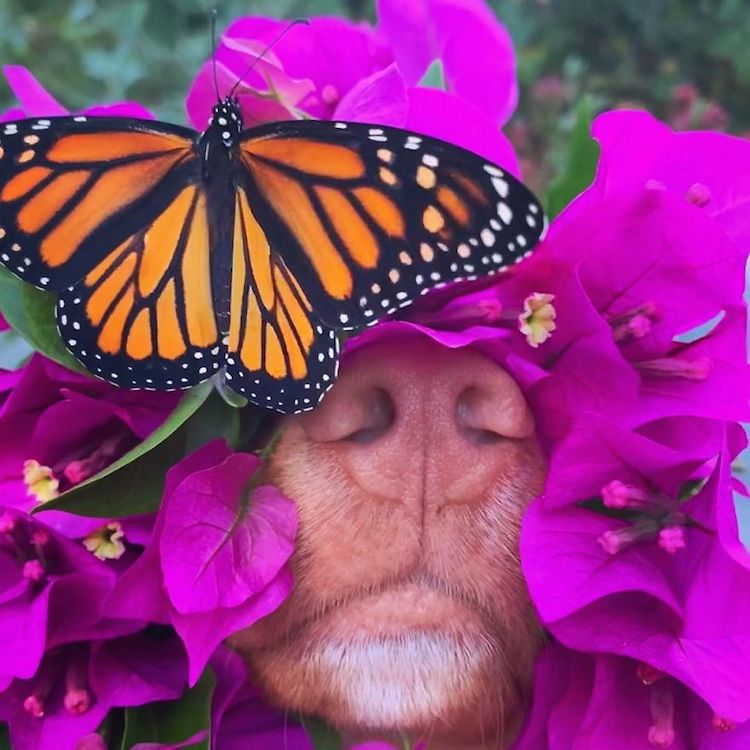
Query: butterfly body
point(178, 255)
point(218, 151)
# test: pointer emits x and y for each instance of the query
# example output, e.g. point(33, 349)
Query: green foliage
point(580, 166)
point(31, 312)
point(88, 51)
point(323, 736)
point(133, 484)
point(171, 722)
point(434, 77)
point(621, 52)
point(216, 419)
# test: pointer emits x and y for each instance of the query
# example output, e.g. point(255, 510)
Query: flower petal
point(219, 548)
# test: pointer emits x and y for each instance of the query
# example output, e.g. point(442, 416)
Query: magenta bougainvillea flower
point(425, 31)
point(652, 581)
point(585, 701)
point(77, 685)
point(708, 170)
point(626, 330)
point(36, 101)
point(53, 593)
point(241, 719)
point(58, 428)
point(217, 559)
point(336, 69)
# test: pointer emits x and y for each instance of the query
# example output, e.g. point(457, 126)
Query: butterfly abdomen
point(218, 153)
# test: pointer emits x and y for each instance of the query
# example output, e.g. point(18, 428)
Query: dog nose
point(410, 420)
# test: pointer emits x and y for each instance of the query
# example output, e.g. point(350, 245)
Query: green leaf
point(31, 312)
point(215, 419)
point(237, 400)
point(133, 484)
point(434, 76)
point(14, 350)
point(170, 722)
point(323, 736)
point(4, 738)
point(580, 167)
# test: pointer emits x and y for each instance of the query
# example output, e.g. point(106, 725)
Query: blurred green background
point(688, 61)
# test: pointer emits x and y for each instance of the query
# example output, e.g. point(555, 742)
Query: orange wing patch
point(24, 182)
point(469, 186)
point(196, 278)
point(311, 157)
point(170, 342)
point(382, 210)
point(292, 202)
point(101, 300)
point(453, 204)
point(114, 190)
point(132, 297)
point(139, 344)
point(269, 327)
point(82, 148)
point(350, 227)
point(110, 338)
point(40, 209)
point(163, 233)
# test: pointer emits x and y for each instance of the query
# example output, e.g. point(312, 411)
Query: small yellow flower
point(40, 481)
point(106, 542)
point(538, 318)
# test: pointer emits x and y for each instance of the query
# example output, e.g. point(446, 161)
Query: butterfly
point(177, 255)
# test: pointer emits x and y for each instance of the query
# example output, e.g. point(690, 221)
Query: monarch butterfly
point(179, 254)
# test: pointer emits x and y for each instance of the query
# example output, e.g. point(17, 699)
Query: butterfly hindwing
point(370, 217)
point(143, 317)
point(278, 355)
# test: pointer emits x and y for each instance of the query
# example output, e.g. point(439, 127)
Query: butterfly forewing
point(72, 189)
point(370, 217)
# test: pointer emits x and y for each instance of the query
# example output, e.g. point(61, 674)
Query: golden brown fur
point(409, 612)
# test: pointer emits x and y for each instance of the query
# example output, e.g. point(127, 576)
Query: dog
point(409, 614)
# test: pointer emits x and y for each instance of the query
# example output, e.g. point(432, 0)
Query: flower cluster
point(626, 330)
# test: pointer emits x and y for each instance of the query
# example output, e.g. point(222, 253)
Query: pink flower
point(77, 685)
point(240, 717)
point(655, 583)
point(52, 593)
point(36, 101)
point(586, 701)
point(637, 149)
point(59, 428)
point(217, 559)
point(423, 31)
point(335, 69)
point(315, 68)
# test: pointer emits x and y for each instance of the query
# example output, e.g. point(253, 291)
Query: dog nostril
point(378, 414)
point(469, 425)
point(488, 418)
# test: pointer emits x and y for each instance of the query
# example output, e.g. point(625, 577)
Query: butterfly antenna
point(268, 47)
point(214, 13)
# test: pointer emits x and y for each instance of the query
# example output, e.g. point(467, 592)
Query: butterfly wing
point(72, 189)
point(278, 354)
point(368, 218)
point(144, 316)
point(111, 213)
